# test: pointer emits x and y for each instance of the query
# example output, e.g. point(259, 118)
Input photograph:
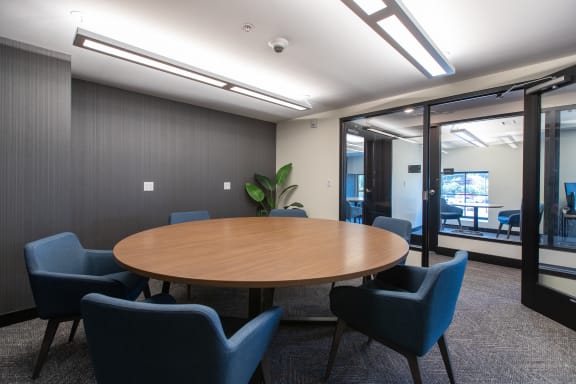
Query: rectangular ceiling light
point(264, 97)
point(101, 44)
point(468, 137)
point(392, 21)
point(391, 135)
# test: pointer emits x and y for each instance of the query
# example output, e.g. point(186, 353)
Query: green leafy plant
point(269, 194)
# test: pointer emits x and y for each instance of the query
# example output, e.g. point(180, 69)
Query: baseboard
point(482, 257)
point(18, 317)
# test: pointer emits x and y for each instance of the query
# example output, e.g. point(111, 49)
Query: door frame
point(539, 298)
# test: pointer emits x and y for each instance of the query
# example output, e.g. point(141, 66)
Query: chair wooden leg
point(509, 231)
point(499, 229)
point(73, 330)
point(166, 287)
point(446, 358)
point(340, 327)
point(46, 343)
point(414, 368)
point(459, 224)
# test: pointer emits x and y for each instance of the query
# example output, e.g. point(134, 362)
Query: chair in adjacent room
point(184, 217)
point(295, 212)
point(139, 342)
point(406, 308)
point(353, 212)
point(511, 218)
point(61, 272)
point(450, 212)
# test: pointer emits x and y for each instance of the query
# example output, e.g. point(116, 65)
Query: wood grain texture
point(260, 252)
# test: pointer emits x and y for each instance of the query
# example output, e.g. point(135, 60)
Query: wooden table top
point(260, 252)
point(479, 205)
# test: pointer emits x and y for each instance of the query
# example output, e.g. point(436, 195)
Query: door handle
point(432, 192)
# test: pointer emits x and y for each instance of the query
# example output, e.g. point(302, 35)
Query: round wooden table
point(260, 253)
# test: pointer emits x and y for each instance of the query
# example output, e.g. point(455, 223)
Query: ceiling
point(333, 60)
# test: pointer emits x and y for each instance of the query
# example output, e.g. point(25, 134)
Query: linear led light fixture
point(391, 135)
point(392, 21)
point(468, 137)
point(509, 140)
point(107, 46)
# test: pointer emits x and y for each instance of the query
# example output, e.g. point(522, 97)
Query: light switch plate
point(227, 185)
point(148, 186)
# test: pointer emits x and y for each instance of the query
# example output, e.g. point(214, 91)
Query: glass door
point(382, 171)
point(549, 218)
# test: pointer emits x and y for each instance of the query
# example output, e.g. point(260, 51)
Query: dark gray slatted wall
point(121, 139)
point(87, 177)
point(35, 160)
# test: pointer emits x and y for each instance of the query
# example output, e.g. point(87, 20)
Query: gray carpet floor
point(493, 339)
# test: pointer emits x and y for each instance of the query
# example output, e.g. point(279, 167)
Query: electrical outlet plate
point(148, 186)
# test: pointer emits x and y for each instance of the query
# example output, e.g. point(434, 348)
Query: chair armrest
point(403, 277)
point(101, 262)
point(59, 294)
point(386, 315)
point(514, 220)
point(250, 342)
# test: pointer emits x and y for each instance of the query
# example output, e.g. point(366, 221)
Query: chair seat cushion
point(450, 215)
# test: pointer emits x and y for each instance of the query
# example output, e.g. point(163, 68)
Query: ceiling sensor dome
point(278, 44)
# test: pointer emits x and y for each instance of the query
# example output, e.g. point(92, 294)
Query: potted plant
point(269, 194)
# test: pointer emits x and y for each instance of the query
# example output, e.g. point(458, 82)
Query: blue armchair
point(402, 228)
point(450, 212)
point(406, 308)
point(61, 272)
point(138, 342)
point(184, 217)
point(295, 212)
point(511, 218)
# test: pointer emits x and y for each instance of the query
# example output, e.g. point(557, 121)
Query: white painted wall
point(406, 187)
point(314, 153)
point(504, 166)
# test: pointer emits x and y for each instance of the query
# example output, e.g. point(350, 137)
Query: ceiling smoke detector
point(278, 44)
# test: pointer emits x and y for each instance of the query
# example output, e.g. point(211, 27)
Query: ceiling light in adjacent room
point(468, 137)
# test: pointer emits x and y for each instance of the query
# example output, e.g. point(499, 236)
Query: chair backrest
point(58, 253)
point(140, 342)
point(183, 217)
point(400, 227)
point(276, 212)
point(441, 288)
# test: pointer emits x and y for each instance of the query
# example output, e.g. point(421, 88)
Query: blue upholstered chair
point(510, 218)
point(450, 212)
point(406, 308)
point(277, 212)
point(138, 342)
point(61, 272)
point(184, 217)
point(401, 227)
point(353, 212)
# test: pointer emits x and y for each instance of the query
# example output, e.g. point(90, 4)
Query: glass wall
point(481, 165)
